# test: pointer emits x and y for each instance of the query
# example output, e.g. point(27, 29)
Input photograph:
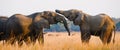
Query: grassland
point(61, 41)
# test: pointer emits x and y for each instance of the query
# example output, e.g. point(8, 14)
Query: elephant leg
point(106, 36)
point(20, 40)
point(32, 35)
point(20, 43)
point(13, 41)
point(109, 39)
point(9, 41)
point(103, 38)
point(33, 39)
point(85, 33)
point(85, 37)
point(27, 40)
point(41, 38)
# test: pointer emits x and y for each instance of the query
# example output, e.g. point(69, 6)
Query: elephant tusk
point(64, 18)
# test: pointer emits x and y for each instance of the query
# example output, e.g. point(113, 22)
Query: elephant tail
point(114, 34)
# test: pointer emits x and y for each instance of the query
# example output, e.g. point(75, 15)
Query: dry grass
point(61, 41)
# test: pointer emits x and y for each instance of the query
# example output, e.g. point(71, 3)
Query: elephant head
point(91, 25)
point(54, 18)
point(74, 15)
point(41, 23)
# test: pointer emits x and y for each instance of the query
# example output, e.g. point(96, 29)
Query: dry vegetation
point(61, 41)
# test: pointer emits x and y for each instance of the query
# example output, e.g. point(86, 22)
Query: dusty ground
point(61, 41)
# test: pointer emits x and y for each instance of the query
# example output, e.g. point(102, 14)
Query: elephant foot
point(85, 38)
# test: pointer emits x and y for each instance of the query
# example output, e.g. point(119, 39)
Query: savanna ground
point(61, 41)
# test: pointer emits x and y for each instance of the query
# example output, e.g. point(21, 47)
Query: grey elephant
point(52, 18)
point(21, 27)
point(17, 27)
point(99, 25)
point(3, 20)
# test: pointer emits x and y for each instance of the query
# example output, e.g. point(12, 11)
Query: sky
point(92, 7)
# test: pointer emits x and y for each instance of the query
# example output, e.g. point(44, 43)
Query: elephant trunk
point(64, 21)
point(66, 26)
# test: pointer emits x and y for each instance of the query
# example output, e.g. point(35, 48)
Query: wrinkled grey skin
point(99, 25)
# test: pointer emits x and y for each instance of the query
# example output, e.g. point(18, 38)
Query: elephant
point(21, 27)
point(37, 29)
point(53, 18)
point(17, 27)
point(100, 25)
point(3, 20)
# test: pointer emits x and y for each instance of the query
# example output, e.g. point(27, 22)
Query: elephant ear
point(80, 18)
point(79, 15)
point(49, 15)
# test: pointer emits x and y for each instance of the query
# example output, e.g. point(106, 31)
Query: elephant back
point(17, 23)
point(25, 23)
point(33, 15)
